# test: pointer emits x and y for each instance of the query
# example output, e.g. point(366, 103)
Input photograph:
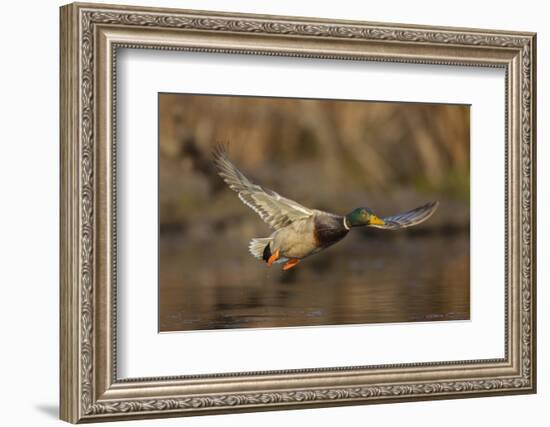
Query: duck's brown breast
point(328, 229)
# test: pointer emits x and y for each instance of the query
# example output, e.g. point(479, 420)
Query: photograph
point(290, 212)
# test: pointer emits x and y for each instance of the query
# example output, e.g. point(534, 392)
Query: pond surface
point(363, 279)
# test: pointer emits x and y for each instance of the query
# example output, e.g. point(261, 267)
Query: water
point(363, 279)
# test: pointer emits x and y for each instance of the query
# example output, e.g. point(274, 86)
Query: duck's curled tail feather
point(258, 245)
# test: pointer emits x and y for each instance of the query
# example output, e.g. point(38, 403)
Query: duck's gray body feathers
point(301, 238)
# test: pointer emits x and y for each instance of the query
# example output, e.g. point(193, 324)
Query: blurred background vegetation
point(331, 155)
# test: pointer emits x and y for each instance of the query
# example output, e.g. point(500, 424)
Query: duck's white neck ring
point(346, 225)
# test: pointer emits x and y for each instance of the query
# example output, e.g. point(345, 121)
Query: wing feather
point(409, 218)
point(276, 210)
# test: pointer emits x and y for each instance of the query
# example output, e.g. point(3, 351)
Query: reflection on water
point(363, 279)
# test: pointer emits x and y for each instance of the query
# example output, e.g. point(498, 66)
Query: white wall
point(29, 170)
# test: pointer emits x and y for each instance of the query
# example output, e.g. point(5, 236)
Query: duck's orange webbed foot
point(274, 257)
point(291, 263)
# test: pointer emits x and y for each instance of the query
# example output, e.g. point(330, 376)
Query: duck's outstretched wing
point(408, 219)
point(276, 210)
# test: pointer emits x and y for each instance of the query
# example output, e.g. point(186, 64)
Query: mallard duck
point(300, 231)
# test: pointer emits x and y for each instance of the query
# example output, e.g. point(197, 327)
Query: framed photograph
point(265, 212)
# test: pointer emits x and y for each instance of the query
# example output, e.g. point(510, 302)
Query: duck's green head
point(362, 216)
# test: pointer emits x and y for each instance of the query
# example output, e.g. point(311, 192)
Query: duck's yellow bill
point(374, 220)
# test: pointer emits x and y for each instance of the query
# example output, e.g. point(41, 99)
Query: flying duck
point(300, 231)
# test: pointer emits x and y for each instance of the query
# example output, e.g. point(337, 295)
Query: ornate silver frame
point(90, 36)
